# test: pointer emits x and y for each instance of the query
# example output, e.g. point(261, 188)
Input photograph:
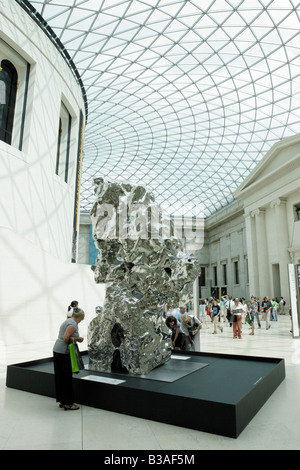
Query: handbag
point(195, 326)
point(76, 360)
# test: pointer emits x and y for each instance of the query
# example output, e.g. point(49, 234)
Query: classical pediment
point(283, 157)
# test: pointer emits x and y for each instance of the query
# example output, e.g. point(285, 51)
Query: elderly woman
point(190, 326)
point(68, 333)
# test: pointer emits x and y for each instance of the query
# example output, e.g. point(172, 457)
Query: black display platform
point(215, 393)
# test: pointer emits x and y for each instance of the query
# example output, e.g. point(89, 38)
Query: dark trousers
point(63, 379)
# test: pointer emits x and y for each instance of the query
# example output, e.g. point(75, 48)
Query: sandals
point(69, 407)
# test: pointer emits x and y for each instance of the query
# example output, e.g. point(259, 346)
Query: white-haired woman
point(68, 333)
point(191, 326)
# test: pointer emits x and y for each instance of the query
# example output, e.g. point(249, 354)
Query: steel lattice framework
point(184, 97)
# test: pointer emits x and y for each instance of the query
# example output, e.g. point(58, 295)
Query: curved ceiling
point(184, 97)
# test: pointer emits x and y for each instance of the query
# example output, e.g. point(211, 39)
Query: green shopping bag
point(74, 363)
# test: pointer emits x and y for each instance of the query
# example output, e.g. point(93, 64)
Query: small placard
point(183, 358)
point(105, 380)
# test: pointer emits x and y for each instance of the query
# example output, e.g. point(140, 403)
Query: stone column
point(196, 299)
point(252, 253)
point(282, 238)
point(262, 254)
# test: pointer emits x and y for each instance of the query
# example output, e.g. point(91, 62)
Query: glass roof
point(184, 96)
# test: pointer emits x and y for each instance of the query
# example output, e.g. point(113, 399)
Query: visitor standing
point(229, 304)
point(236, 312)
point(252, 312)
point(73, 304)
point(215, 316)
point(274, 310)
point(267, 306)
point(257, 312)
point(282, 305)
point(68, 333)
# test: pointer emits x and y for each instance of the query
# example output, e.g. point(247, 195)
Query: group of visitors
point(236, 311)
point(185, 331)
point(184, 328)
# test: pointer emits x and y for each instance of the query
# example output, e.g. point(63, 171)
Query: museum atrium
point(199, 102)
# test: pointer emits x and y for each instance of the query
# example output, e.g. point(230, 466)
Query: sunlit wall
point(42, 115)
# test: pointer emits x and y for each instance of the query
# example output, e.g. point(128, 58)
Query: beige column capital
point(260, 211)
point(278, 202)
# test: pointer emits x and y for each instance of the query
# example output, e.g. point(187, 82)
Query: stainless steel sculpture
point(143, 271)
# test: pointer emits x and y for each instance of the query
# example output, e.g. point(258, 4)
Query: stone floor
point(33, 422)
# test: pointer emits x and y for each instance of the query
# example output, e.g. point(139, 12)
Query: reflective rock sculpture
point(143, 271)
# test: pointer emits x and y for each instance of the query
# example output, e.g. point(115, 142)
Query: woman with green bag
point(68, 334)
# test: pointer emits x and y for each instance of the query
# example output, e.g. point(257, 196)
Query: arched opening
point(117, 336)
point(8, 93)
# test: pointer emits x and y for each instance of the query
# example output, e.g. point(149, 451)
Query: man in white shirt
point(228, 303)
point(237, 311)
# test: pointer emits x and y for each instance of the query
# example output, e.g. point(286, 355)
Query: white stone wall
point(84, 239)
point(37, 279)
point(36, 289)
point(225, 243)
point(34, 201)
